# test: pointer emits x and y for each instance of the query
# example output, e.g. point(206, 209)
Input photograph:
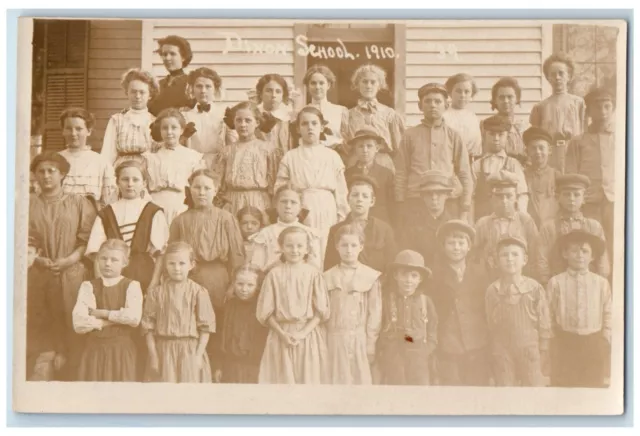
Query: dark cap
point(362, 179)
point(533, 133)
point(455, 226)
point(580, 236)
point(496, 124)
point(599, 94)
point(512, 240)
point(572, 181)
point(432, 87)
point(434, 180)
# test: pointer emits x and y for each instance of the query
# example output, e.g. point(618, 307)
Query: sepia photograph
point(320, 217)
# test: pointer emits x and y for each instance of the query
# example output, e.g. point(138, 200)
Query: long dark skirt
point(111, 359)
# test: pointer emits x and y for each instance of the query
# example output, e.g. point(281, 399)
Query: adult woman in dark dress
point(176, 55)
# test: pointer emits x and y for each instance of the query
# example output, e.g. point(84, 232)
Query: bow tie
point(204, 108)
point(370, 106)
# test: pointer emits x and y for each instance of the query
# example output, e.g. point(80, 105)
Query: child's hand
point(99, 313)
point(299, 336)
point(154, 363)
point(44, 262)
point(252, 96)
point(198, 360)
point(60, 265)
point(217, 376)
point(59, 361)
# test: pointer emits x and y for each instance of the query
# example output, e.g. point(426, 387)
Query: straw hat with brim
point(367, 132)
point(579, 236)
point(410, 259)
point(455, 226)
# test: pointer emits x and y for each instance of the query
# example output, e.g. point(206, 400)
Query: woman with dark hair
point(63, 221)
point(176, 55)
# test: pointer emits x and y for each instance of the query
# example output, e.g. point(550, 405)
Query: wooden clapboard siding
point(488, 50)
point(114, 47)
point(240, 71)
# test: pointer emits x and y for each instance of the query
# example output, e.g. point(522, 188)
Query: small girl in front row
point(356, 311)
point(243, 337)
point(177, 321)
point(264, 248)
point(293, 303)
point(251, 221)
point(170, 167)
point(108, 310)
point(249, 166)
point(127, 135)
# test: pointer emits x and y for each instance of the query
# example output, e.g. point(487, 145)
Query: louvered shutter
point(65, 78)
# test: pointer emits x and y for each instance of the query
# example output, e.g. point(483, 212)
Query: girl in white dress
point(172, 165)
point(318, 172)
point(127, 135)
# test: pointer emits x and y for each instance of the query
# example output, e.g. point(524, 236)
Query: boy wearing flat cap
point(582, 333)
point(518, 318)
point(379, 240)
point(540, 176)
point(44, 330)
point(408, 336)
point(570, 189)
point(419, 231)
point(433, 145)
point(504, 220)
point(457, 289)
point(365, 146)
point(495, 160)
point(593, 155)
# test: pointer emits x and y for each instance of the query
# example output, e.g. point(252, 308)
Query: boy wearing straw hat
point(518, 318)
point(593, 154)
point(408, 336)
point(570, 189)
point(457, 288)
point(365, 146)
point(582, 331)
point(419, 232)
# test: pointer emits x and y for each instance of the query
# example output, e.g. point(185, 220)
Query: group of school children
point(273, 243)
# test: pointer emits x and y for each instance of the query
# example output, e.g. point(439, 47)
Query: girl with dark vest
point(137, 221)
point(108, 310)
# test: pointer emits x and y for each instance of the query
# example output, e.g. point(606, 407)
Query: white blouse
point(90, 174)
point(210, 129)
point(129, 315)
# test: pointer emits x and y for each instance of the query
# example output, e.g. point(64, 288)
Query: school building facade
point(80, 62)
